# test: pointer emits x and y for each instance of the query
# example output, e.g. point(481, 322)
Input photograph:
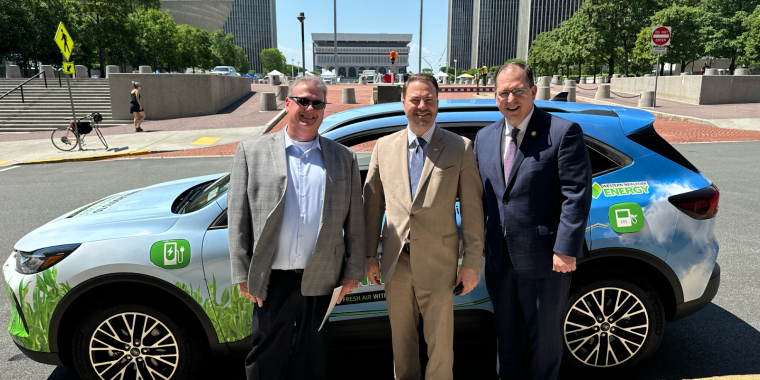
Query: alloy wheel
point(133, 346)
point(606, 327)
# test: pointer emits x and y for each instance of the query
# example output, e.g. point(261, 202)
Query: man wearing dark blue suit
point(537, 193)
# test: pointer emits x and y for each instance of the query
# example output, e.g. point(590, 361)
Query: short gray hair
point(314, 81)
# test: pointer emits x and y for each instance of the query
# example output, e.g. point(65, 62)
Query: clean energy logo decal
point(618, 189)
point(170, 254)
point(626, 217)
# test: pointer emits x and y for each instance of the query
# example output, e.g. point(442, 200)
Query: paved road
point(723, 339)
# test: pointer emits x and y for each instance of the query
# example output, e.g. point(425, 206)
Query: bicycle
point(66, 139)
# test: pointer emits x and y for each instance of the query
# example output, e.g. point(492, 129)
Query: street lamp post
point(300, 18)
point(419, 67)
point(455, 71)
point(292, 61)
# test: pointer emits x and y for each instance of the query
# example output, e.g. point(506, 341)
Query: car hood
point(139, 212)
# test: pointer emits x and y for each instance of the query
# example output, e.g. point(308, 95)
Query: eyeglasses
point(305, 102)
point(515, 93)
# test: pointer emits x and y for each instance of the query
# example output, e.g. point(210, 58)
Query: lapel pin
point(533, 133)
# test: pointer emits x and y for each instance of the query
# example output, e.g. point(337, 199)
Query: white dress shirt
point(304, 199)
point(508, 136)
point(412, 144)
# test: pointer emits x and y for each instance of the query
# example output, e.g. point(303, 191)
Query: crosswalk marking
point(205, 141)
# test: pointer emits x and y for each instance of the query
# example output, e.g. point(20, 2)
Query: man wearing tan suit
point(415, 177)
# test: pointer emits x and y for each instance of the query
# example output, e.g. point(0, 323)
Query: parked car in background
point(225, 70)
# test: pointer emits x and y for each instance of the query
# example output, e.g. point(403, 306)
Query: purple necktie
point(509, 156)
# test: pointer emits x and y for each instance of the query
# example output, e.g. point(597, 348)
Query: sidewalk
point(43, 151)
point(734, 116)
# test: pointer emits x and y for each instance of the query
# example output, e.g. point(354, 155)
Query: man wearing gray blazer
point(296, 232)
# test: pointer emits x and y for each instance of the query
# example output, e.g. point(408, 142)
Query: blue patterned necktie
point(418, 161)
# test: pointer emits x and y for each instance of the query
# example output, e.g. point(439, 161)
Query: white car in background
point(225, 70)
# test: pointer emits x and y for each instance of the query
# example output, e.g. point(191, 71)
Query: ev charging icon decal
point(626, 217)
point(170, 254)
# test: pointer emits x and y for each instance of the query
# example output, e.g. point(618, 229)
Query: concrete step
point(57, 111)
point(48, 117)
point(62, 124)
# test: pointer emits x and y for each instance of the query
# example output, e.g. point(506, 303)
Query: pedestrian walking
point(296, 232)
point(536, 175)
point(415, 177)
point(135, 106)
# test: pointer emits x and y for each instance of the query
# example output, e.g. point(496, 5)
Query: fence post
point(44, 76)
point(22, 94)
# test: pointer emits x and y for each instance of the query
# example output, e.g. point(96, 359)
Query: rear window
point(650, 139)
point(221, 69)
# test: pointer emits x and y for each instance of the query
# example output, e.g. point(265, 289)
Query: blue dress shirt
point(303, 204)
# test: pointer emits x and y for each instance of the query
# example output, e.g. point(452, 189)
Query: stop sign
point(661, 36)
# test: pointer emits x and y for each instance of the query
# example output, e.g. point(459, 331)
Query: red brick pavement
point(671, 131)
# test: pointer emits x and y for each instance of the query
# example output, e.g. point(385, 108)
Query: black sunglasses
point(304, 102)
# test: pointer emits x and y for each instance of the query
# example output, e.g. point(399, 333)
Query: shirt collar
point(289, 142)
point(412, 138)
point(523, 126)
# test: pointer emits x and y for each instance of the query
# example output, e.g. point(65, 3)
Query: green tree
point(751, 38)
point(617, 22)
point(194, 48)
point(157, 39)
point(724, 22)
point(115, 38)
point(427, 71)
point(241, 60)
point(685, 45)
point(272, 59)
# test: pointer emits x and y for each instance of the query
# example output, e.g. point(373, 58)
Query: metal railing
point(21, 86)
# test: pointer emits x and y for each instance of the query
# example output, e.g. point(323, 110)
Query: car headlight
point(41, 259)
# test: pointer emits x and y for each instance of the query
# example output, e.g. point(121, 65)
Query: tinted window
point(604, 159)
point(650, 139)
point(201, 195)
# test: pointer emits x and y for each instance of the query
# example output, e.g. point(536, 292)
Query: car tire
point(166, 345)
point(628, 326)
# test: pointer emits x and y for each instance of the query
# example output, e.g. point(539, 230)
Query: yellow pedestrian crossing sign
point(64, 41)
point(68, 67)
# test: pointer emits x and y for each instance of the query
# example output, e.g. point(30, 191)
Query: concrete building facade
point(360, 51)
point(253, 25)
point(209, 15)
point(500, 30)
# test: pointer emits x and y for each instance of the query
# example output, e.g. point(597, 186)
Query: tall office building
point(253, 25)
point(209, 15)
point(499, 30)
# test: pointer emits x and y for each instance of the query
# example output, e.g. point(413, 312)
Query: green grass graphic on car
point(231, 322)
point(46, 294)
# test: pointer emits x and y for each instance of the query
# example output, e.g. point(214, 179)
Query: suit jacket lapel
point(495, 164)
point(328, 158)
point(279, 159)
point(401, 148)
point(434, 151)
point(531, 134)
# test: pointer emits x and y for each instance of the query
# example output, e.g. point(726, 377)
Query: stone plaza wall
point(696, 89)
point(171, 96)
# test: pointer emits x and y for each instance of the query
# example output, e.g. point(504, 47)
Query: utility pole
point(419, 67)
point(300, 18)
point(335, 35)
point(455, 71)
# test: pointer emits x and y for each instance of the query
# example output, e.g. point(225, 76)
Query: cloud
point(430, 57)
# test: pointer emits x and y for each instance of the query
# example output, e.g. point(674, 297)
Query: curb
point(268, 126)
point(96, 157)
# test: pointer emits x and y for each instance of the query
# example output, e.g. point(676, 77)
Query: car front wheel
point(134, 341)
point(611, 325)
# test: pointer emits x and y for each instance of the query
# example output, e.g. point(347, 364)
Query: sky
point(362, 16)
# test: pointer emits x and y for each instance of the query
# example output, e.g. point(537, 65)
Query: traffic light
point(394, 56)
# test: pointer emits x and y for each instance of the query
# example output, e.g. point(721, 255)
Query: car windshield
point(200, 196)
point(221, 69)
